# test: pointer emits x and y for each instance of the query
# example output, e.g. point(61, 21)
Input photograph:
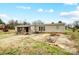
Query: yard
point(34, 44)
point(6, 34)
point(74, 36)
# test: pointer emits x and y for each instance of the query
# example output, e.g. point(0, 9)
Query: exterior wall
point(15, 29)
point(48, 28)
point(32, 29)
point(59, 28)
point(54, 28)
point(35, 28)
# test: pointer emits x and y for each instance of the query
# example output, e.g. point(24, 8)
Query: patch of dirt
point(63, 42)
point(66, 44)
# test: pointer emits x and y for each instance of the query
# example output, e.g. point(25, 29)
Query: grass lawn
point(27, 46)
point(74, 36)
point(9, 32)
point(6, 34)
point(37, 48)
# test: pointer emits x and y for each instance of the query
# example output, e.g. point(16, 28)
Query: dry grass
point(38, 48)
point(25, 45)
point(73, 36)
point(7, 34)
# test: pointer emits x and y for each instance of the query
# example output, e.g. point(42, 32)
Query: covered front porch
point(23, 30)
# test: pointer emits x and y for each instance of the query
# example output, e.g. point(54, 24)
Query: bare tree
point(76, 24)
point(16, 22)
point(12, 23)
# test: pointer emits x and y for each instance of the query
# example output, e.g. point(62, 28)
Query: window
point(41, 28)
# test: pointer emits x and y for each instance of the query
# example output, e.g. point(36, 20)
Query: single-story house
point(28, 29)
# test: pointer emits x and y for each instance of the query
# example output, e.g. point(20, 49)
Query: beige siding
point(54, 29)
point(33, 28)
point(15, 29)
point(50, 29)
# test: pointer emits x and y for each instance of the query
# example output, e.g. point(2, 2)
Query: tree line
point(12, 23)
point(74, 26)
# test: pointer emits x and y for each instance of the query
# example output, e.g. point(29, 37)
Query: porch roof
point(23, 26)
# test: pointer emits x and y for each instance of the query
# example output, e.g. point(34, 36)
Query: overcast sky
point(46, 12)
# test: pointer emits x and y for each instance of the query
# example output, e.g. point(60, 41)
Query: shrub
point(73, 36)
point(53, 34)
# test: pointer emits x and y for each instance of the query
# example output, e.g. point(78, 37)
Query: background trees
point(38, 22)
point(76, 24)
point(26, 23)
point(52, 23)
point(1, 22)
point(60, 22)
point(12, 24)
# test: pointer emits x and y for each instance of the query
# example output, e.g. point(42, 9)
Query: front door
point(27, 29)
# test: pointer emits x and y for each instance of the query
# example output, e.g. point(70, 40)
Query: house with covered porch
point(43, 28)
